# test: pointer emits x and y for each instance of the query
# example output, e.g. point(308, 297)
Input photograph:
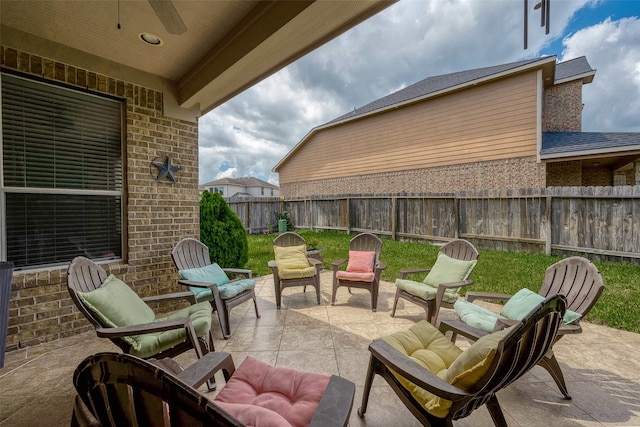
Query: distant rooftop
point(247, 181)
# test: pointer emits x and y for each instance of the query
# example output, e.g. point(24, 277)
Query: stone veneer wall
point(158, 213)
point(510, 173)
point(563, 108)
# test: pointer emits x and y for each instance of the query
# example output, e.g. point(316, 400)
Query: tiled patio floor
point(601, 365)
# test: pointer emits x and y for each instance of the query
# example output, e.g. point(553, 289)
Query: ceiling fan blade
point(168, 15)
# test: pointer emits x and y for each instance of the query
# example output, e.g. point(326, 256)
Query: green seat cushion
point(211, 273)
point(428, 347)
point(449, 270)
point(476, 316)
point(115, 304)
point(525, 300)
point(425, 291)
point(229, 290)
point(148, 345)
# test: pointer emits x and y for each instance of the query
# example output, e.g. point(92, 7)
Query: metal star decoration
point(166, 169)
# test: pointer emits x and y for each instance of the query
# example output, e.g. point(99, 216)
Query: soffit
point(228, 45)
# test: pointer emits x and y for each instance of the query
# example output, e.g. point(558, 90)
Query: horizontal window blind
point(56, 142)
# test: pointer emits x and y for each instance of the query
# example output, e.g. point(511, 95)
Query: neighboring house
point(244, 187)
point(514, 125)
point(100, 132)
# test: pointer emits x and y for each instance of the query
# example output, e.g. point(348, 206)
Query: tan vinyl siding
point(487, 122)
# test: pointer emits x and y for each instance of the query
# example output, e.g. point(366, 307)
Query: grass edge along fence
point(601, 223)
point(497, 271)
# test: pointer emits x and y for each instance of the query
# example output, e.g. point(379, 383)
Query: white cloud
point(612, 101)
point(407, 42)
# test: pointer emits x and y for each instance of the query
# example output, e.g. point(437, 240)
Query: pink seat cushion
point(354, 276)
point(259, 394)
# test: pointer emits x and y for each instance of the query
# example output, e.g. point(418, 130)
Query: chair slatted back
point(460, 249)
point(83, 275)
point(577, 279)
point(519, 351)
point(122, 390)
point(367, 242)
point(190, 253)
point(289, 238)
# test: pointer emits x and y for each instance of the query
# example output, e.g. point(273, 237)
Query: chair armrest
point(458, 327)
point(405, 272)
point(455, 285)
point(168, 297)
point(472, 296)
point(336, 264)
point(572, 328)
point(313, 262)
point(144, 328)
point(335, 404)
point(504, 324)
point(196, 284)
point(407, 368)
point(239, 271)
point(204, 369)
point(272, 264)
point(381, 265)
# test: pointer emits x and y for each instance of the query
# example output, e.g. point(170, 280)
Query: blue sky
point(412, 40)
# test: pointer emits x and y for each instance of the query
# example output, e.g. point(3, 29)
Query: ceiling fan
point(168, 15)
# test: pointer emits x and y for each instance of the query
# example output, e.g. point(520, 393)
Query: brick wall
point(563, 108)
point(510, 173)
point(158, 213)
point(564, 174)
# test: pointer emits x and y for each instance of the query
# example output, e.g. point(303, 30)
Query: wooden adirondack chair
point(357, 274)
point(576, 278)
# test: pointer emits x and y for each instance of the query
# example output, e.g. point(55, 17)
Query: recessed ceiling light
point(151, 39)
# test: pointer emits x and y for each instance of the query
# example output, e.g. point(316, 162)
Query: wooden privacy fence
point(602, 221)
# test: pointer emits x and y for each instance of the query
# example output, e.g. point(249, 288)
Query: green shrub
point(222, 231)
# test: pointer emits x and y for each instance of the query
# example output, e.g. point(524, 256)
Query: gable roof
point(574, 69)
point(565, 144)
point(446, 83)
point(247, 181)
point(436, 85)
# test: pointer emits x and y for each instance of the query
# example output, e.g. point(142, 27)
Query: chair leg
point(224, 321)
point(496, 412)
point(335, 289)
point(278, 289)
point(367, 387)
point(222, 316)
point(317, 286)
point(552, 366)
point(255, 305)
point(395, 303)
point(374, 296)
point(431, 311)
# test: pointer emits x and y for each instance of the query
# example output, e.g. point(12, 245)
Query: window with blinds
point(62, 174)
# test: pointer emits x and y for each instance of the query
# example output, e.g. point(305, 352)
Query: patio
point(600, 365)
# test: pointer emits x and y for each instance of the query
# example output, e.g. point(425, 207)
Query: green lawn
point(618, 307)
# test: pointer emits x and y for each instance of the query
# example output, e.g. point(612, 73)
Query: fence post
point(548, 228)
point(394, 217)
point(456, 212)
point(348, 215)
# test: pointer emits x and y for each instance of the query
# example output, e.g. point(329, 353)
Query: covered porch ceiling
point(223, 48)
